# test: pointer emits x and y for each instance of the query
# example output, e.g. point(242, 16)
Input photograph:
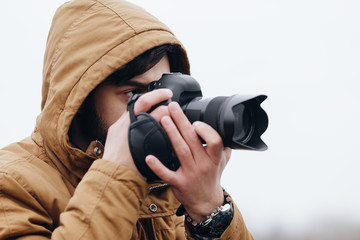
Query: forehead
point(154, 73)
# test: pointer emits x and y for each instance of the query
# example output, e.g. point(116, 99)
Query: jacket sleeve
point(20, 213)
point(236, 230)
point(105, 205)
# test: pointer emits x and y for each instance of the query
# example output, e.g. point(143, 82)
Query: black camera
point(239, 119)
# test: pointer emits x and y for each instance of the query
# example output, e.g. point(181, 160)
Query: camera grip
point(146, 136)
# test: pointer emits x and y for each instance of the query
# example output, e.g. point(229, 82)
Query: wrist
point(202, 209)
point(214, 224)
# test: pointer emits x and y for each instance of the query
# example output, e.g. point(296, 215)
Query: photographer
point(74, 177)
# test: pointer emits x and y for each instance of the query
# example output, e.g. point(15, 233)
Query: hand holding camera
point(118, 131)
point(196, 183)
point(238, 119)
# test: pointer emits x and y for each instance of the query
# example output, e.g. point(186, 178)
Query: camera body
point(239, 120)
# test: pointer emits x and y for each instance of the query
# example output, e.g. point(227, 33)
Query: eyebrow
point(133, 84)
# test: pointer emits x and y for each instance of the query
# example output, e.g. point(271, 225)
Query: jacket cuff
point(237, 228)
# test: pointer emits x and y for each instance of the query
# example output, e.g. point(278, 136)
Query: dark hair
point(87, 115)
point(144, 62)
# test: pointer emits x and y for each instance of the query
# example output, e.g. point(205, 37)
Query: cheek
point(109, 107)
point(111, 113)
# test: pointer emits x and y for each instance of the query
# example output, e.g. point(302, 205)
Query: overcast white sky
point(305, 55)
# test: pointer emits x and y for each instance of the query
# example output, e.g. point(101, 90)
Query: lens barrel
point(239, 119)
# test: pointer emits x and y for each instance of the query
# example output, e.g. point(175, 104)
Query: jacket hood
point(88, 40)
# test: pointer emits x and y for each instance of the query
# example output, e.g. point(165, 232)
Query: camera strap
point(146, 136)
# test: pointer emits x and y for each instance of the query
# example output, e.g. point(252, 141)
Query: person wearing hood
point(74, 177)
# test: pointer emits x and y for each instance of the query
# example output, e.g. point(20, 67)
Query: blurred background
point(305, 55)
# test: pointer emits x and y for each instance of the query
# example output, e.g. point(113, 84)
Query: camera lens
point(238, 119)
point(243, 126)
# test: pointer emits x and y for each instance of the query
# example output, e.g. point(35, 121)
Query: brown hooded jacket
point(51, 189)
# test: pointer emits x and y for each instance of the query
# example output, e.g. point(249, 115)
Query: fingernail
point(149, 160)
point(165, 121)
point(173, 107)
point(195, 124)
point(168, 92)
